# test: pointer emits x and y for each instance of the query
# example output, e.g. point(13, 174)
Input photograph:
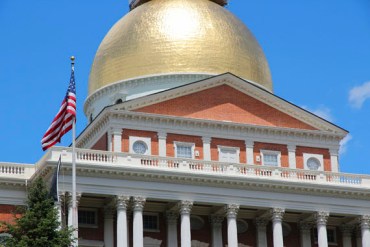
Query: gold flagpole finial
point(73, 59)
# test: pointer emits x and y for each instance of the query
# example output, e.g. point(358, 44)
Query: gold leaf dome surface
point(177, 37)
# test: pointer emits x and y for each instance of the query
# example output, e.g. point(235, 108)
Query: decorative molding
point(305, 226)
point(261, 222)
point(277, 214)
point(321, 217)
point(216, 220)
point(185, 207)
point(171, 217)
point(122, 202)
point(364, 221)
point(231, 210)
point(138, 203)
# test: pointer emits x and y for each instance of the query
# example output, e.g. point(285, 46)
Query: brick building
point(187, 145)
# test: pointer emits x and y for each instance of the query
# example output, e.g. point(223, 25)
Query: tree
point(38, 223)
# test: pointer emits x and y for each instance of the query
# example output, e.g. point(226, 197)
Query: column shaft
point(334, 160)
point(365, 230)
point(138, 230)
point(277, 228)
point(162, 144)
point(321, 220)
point(117, 140)
point(291, 156)
point(261, 224)
point(249, 151)
point(216, 223)
point(122, 202)
point(206, 148)
point(185, 208)
point(172, 228)
point(108, 227)
point(305, 230)
point(232, 231)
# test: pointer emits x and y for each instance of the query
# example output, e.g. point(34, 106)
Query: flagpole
point(74, 200)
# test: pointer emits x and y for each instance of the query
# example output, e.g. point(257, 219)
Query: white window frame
point(270, 152)
point(95, 210)
point(219, 148)
point(146, 140)
point(151, 214)
point(319, 157)
point(187, 144)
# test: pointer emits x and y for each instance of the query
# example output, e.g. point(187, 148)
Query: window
point(313, 162)
point(270, 158)
point(150, 222)
point(140, 145)
point(228, 154)
point(184, 150)
point(88, 218)
point(331, 235)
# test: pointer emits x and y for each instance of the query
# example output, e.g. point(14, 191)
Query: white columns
point(138, 230)
point(358, 237)
point(58, 206)
point(291, 156)
point(122, 203)
point(321, 220)
point(162, 144)
point(70, 210)
point(216, 223)
point(249, 151)
point(232, 231)
point(261, 224)
point(334, 160)
point(109, 140)
point(108, 227)
point(347, 235)
point(185, 208)
point(365, 230)
point(206, 148)
point(305, 230)
point(277, 228)
point(172, 228)
point(117, 140)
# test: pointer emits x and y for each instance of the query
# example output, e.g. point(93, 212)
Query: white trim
point(187, 144)
point(270, 152)
point(145, 140)
point(237, 149)
point(319, 157)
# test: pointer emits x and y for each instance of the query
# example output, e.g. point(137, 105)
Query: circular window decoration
point(242, 226)
point(140, 147)
point(313, 164)
point(196, 223)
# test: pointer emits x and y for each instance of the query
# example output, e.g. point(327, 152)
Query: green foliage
point(38, 224)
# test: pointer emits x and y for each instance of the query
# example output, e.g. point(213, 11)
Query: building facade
point(187, 145)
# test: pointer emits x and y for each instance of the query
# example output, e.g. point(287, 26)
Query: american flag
point(63, 121)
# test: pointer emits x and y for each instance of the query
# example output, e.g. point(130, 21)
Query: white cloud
point(359, 94)
point(322, 111)
point(343, 144)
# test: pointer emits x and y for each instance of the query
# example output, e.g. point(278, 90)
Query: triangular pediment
point(228, 98)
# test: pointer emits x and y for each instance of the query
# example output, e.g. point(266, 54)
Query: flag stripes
point(62, 122)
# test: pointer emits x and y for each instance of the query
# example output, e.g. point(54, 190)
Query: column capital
point(334, 151)
point(231, 210)
point(347, 230)
point(321, 217)
point(261, 222)
point(305, 226)
point(364, 221)
point(116, 130)
point(172, 216)
point(108, 212)
point(161, 135)
point(206, 139)
point(216, 220)
point(291, 147)
point(122, 202)
point(78, 198)
point(277, 214)
point(138, 203)
point(185, 207)
point(249, 143)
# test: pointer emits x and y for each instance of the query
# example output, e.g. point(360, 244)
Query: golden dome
point(178, 37)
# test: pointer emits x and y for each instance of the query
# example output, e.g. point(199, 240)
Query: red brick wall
point(171, 138)
point(324, 152)
point(258, 146)
point(140, 133)
point(94, 233)
point(228, 143)
point(225, 103)
point(102, 144)
point(7, 213)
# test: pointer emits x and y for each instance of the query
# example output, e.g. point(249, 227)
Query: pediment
point(230, 99)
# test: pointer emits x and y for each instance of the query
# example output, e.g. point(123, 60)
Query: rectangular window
point(270, 158)
point(150, 222)
point(88, 217)
point(331, 235)
point(184, 150)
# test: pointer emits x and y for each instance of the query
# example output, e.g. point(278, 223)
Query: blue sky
point(318, 51)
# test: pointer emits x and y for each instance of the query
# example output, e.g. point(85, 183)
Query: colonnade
point(230, 212)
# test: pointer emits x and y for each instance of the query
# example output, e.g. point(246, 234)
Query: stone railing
point(95, 157)
point(15, 170)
